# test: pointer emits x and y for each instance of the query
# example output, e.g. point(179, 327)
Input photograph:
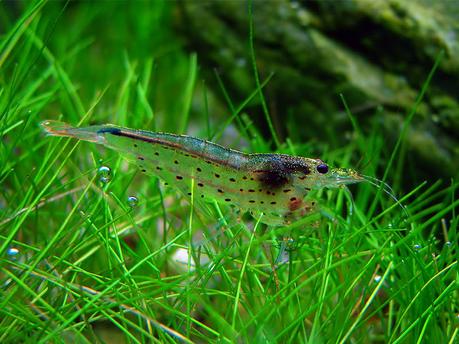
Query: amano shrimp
point(274, 184)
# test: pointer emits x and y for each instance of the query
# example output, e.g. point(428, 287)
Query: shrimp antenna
point(387, 189)
point(362, 164)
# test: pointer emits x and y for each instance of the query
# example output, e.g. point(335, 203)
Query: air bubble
point(12, 252)
point(133, 201)
point(105, 174)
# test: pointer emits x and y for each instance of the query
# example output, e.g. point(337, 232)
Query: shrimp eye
point(322, 168)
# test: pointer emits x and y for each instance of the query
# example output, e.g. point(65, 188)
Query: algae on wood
point(376, 53)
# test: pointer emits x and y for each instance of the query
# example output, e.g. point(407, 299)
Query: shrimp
point(273, 184)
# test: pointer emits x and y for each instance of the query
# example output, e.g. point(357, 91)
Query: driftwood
point(377, 54)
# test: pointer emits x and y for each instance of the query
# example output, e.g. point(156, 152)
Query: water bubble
point(378, 278)
point(12, 252)
point(105, 174)
point(417, 247)
point(448, 244)
point(132, 201)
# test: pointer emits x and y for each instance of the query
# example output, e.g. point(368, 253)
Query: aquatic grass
point(89, 263)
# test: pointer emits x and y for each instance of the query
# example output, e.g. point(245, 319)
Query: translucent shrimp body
point(275, 184)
